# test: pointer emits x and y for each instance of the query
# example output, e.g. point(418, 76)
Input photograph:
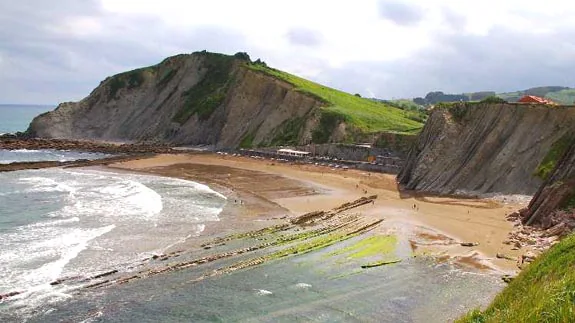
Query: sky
point(58, 51)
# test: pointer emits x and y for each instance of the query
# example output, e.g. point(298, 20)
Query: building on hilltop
point(535, 99)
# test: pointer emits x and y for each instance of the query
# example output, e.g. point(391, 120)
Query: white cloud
point(356, 46)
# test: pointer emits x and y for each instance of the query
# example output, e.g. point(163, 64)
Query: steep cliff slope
point(214, 99)
point(486, 148)
point(554, 203)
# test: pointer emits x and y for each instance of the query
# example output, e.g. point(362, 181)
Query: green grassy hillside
point(566, 96)
point(366, 115)
point(558, 94)
point(543, 292)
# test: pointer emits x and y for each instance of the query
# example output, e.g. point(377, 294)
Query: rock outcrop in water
point(476, 148)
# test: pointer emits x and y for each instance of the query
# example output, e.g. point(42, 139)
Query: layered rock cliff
point(200, 98)
point(223, 101)
point(475, 148)
point(554, 203)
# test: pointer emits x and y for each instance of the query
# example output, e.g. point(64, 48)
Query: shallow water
point(305, 288)
point(30, 155)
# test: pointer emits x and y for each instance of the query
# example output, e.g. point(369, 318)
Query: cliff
point(476, 148)
point(212, 99)
point(554, 203)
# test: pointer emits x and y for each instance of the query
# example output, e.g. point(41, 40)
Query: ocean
point(17, 117)
point(68, 222)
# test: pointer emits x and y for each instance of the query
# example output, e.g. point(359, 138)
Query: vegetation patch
point(206, 96)
point(557, 151)
point(569, 202)
point(493, 99)
point(543, 292)
point(135, 78)
point(367, 115)
point(115, 84)
point(397, 142)
point(328, 122)
point(310, 245)
point(248, 139)
point(566, 96)
point(376, 245)
point(131, 80)
point(166, 77)
point(289, 132)
point(457, 110)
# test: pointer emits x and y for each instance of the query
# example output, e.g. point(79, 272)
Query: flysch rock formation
point(478, 148)
point(190, 99)
point(554, 203)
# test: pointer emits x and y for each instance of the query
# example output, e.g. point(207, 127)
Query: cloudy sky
point(54, 51)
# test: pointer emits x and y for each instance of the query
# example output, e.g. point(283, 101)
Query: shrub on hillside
point(493, 99)
point(243, 56)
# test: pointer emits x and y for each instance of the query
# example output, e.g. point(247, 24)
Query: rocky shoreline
point(13, 142)
point(122, 152)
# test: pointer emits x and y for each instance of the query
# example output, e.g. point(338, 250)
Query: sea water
point(58, 223)
point(31, 155)
point(17, 117)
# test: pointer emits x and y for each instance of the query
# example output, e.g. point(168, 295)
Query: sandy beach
point(260, 190)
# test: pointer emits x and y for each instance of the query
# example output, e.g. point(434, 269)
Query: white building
point(291, 152)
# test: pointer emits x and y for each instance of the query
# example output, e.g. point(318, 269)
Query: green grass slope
point(558, 94)
point(543, 292)
point(366, 115)
point(566, 96)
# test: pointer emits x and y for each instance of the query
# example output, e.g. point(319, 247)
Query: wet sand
point(260, 191)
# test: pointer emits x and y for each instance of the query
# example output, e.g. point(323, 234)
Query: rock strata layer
point(478, 148)
point(200, 98)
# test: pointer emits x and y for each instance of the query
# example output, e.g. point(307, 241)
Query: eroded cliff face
point(201, 98)
point(472, 148)
point(554, 203)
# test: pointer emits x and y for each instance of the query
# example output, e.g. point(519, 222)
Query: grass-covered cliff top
point(365, 114)
point(543, 292)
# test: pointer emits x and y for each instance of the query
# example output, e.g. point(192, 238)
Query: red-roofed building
point(535, 99)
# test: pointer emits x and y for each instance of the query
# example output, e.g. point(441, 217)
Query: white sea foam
point(103, 213)
point(45, 184)
point(263, 292)
point(26, 151)
point(36, 255)
point(302, 285)
point(54, 222)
